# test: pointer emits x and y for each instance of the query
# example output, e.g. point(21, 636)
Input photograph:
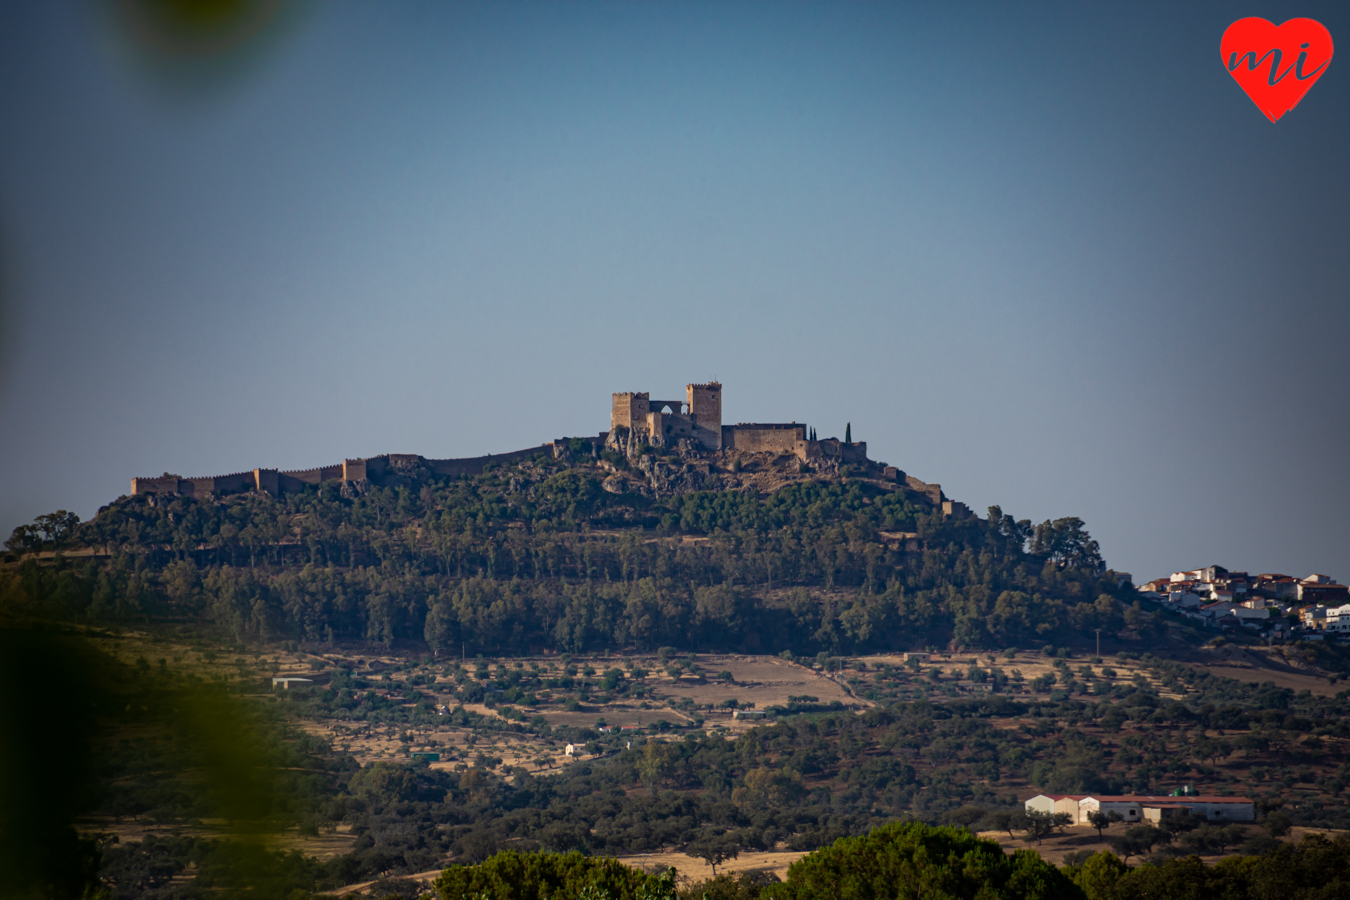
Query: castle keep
point(698, 418)
point(693, 425)
point(636, 418)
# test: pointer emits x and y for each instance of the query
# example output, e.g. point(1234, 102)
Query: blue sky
point(1050, 256)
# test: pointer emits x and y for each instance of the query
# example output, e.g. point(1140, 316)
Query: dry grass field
point(759, 680)
point(756, 682)
point(690, 869)
point(680, 700)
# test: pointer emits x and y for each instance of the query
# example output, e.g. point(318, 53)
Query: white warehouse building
point(1140, 807)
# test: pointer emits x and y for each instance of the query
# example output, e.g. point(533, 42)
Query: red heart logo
point(1276, 65)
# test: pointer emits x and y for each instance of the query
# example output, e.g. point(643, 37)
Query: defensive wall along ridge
point(276, 481)
point(693, 425)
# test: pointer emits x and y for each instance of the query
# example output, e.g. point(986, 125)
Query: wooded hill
point(539, 555)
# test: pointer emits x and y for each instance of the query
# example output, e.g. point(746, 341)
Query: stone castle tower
point(636, 419)
point(665, 422)
point(705, 409)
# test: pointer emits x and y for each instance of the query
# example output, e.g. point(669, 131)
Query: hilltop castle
point(693, 425)
point(697, 420)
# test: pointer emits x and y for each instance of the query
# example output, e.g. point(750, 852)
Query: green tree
point(911, 861)
point(1102, 820)
point(1187, 878)
point(384, 782)
point(1008, 820)
point(1099, 874)
point(654, 764)
point(743, 886)
point(1067, 543)
point(714, 849)
point(768, 787)
point(1278, 824)
point(511, 875)
point(1139, 841)
point(1038, 825)
point(24, 539)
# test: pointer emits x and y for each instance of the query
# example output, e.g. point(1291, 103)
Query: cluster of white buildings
point(1145, 808)
point(1222, 599)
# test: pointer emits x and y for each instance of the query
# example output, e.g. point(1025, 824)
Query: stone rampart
point(294, 482)
point(755, 437)
point(932, 491)
point(475, 465)
point(831, 449)
point(165, 484)
point(221, 484)
point(273, 481)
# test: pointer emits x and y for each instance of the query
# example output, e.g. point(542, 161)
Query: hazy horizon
point(1050, 257)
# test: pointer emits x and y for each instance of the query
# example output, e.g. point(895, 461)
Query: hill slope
point(719, 551)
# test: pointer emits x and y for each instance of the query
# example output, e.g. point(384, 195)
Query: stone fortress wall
point(273, 481)
point(635, 419)
point(754, 437)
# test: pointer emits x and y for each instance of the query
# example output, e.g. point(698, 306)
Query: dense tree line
point(893, 862)
point(914, 861)
point(1312, 869)
point(541, 557)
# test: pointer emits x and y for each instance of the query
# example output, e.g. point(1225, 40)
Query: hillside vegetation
point(495, 620)
point(541, 556)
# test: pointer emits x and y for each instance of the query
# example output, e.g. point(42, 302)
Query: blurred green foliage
point(83, 732)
